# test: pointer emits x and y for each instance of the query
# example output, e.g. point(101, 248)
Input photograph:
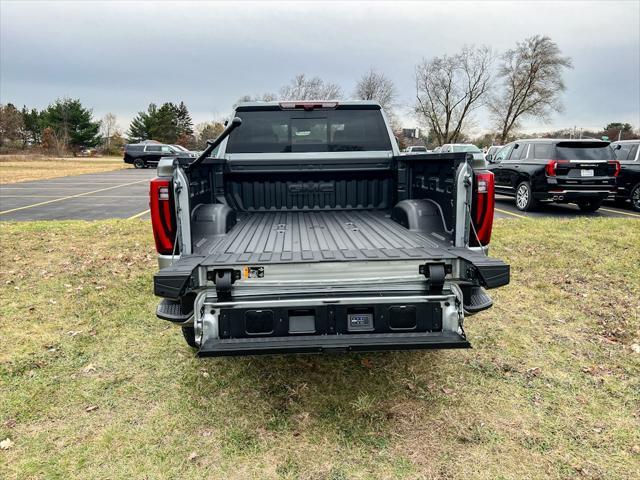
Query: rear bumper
point(574, 195)
point(333, 343)
point(328, 323)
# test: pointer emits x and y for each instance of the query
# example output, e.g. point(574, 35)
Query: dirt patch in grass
point(92, 385)
point(23, 168)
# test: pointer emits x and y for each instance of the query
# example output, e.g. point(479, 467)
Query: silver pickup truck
point(307, 231)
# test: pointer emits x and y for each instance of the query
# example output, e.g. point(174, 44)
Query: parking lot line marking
point(509, 213)
point(621, 213)
point(70, 196)
point(139, 214)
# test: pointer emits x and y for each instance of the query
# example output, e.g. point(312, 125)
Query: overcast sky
point(120, 56)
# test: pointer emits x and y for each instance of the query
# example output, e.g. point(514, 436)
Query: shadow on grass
point(350, 398)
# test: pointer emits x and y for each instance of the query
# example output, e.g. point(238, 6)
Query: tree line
point(522, 83)
point(66, 126)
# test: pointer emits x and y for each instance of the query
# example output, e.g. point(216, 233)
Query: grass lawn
point(22, 168)
point(92, 385)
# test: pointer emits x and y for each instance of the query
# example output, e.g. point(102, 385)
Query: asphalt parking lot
point(93, 196)
point(505, 208)
point(124, 194)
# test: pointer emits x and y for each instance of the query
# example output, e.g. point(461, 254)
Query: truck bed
point(320, 236)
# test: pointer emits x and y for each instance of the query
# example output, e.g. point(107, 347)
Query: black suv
point(628, 154)
point(556, 170)
point(141, 155)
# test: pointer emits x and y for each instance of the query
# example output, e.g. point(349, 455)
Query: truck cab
point(307, 231)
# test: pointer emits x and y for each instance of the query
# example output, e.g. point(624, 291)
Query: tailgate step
point(477, 300)
point(329, 343)
point(172, 311)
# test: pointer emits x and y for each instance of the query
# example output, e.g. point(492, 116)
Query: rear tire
point(524, 197)
point(138, 163)
point(589, 206)
point(635, 197)
point(189, 335)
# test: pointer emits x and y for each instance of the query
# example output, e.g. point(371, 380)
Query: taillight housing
point(616, 163)
point(552, 166)
point(483, 207)
point(162, 215)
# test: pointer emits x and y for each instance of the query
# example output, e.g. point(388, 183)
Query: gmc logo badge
point(311, 187)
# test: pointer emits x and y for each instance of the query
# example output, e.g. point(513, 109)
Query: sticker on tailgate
point(252, 272)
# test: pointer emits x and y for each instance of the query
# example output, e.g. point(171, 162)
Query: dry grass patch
point(23, 168)
point(94, 386)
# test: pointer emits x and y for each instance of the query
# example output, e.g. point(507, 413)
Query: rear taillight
point(552, 166)
point(162, 216)
point(483, 206)
point(616, 163)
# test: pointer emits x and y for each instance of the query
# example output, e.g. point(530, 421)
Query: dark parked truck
point(307, 231)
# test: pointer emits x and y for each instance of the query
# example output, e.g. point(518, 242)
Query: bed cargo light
point(307, 105)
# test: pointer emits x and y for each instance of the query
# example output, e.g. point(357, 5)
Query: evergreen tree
point(143, 125)
point(72, 123)
point(185, 124)
point(32, 132)
point(166, 125)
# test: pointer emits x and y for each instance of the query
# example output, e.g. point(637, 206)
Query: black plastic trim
point(332, 343)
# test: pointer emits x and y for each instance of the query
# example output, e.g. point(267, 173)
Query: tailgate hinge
point(223, 279)
point(435, 273)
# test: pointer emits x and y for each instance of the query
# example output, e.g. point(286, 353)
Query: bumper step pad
point(172, 311)
point(332, 343)
point(478, 300)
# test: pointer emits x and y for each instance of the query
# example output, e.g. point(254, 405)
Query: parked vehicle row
point(143, 155)
point(627, 152)
point(584, 172)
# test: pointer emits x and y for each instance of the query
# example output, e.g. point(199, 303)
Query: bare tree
point(376, 86)
point(11, 123)
point(450, 88)
point(532, 78)
point(207, 131)
point(108, 128)
point(265, 97)
point(305, 88)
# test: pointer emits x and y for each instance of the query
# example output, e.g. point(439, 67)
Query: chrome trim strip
point(555, 192)
point(310, 301)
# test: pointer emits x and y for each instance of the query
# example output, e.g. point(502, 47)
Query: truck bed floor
point(328, 236)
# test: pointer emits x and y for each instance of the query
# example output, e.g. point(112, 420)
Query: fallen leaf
point(447, 391)
point(534, 372)
point(89, 368)
point(10, 423)
point(193, 456)
point(6, 444)
point(91, 408)
point(636, 449)
point(366, 362)
point(206, 433)
point(635, 347)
